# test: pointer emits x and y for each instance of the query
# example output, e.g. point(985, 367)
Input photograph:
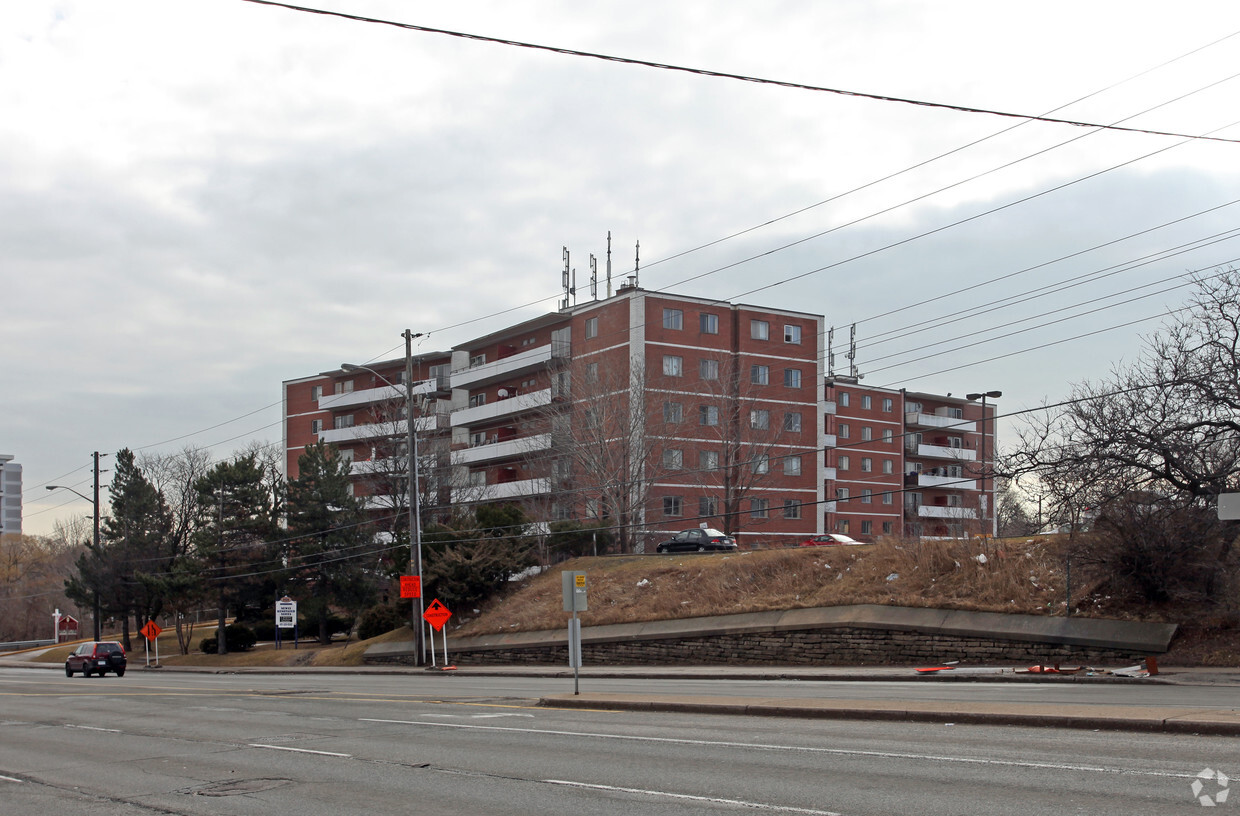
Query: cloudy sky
point(199, 200)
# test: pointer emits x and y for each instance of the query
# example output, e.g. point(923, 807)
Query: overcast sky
point(199, 200)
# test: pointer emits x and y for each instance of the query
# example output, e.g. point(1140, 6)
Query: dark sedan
point(101, 657)
point(699, 539)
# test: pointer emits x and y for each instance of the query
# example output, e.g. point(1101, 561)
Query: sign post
point(286, 618)
point(151, 633)
point(437, 615)
point(574, 588)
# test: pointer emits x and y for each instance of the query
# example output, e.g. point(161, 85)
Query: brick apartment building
point(653, 413)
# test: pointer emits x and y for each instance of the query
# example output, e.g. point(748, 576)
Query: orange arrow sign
point(436, 615)
point(151, 630)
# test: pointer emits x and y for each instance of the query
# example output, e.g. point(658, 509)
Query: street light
point(95, 549)
point(415, 519)
point(982, 397)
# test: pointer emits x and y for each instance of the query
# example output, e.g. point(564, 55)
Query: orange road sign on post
point(436, 615)
point(151, 630)
point(410, 586)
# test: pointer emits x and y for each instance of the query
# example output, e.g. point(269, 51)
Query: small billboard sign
point(286, 613)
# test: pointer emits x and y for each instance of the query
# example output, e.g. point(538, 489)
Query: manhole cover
point(238, 787)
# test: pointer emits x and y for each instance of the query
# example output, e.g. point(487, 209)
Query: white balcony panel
point(948, 482)
point(377, 430)
point(828, 406)
point(371, 467)
point(370, 396)
point(916, 420)
point(945, 452)
point(500, 492)
point(829, 474)
point(829, 440)
point(506, 407)
point(507, 449)
point(940, 512)
point(829, 507)
point(497, 370)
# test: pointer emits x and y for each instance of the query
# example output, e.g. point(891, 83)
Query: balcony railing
point(914, 419)
point(503, 368)
point(500, 408)
point(942, 452)
point(499, 492)
point(380, 430)
point(507, 449)
point(369, 396)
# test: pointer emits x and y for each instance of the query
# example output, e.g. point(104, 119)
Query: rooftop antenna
point(637, 263)
point(593, 277)
point(609, 263)
point(564, 281)
point(852, 352)
point(831, 353)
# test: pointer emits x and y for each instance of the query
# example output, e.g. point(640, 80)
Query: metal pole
point(95, 589)
point(415, 515)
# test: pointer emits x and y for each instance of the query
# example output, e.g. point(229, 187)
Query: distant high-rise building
point(10, 496)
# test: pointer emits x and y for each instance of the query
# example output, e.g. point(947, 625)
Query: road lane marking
point(713, 800)
point(1009, 763)
point(93, 728)
point(298, 750)
point(9, 779)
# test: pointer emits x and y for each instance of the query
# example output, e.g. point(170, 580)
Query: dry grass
point(1023, 575)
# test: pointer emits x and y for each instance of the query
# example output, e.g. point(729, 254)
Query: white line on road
point(299, 750)
point(1049, 766)
point(93, 728)
point(9, 779)
point(714, 800)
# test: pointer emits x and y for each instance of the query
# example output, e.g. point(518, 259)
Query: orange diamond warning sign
point(151, 630)
point(436, 614)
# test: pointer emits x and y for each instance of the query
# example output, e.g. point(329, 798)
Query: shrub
point(237, 638)
point(381, 619)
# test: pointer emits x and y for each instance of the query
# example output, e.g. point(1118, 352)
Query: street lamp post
point(415, 517)
point(990, 502)
point(95, 547)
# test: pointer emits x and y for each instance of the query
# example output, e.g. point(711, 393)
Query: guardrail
point(18, 645)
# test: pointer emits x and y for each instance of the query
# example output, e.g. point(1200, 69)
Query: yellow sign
point(580, 580)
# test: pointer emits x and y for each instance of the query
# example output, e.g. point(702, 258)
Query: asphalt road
point(176, 743)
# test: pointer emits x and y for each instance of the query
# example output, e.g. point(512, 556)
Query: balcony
point(829, 407)
point(918, 420)
point(380, 430)
point(829, 440)
point(829, 474)
point(501, 408)
point(505, 367)
point(500, 492)
point(507, 449)
point(370, 396)
point(942, 452)
point(937, 511)
point(941, 482)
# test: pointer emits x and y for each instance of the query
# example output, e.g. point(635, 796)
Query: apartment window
point(792, 465)
point(843, 399)
point(867, 496)
point(955, 442)
point(888, 467)
point(866, 402)
point(673, 319)
point(792, 334)
point(477, 399)
point(591, 328)
point(792, 422)
point(477, 478)
point(592, 372)
point(841, 493)
point(760, 419)
point(955, 413)
point(888, 437)
point(673, 413)
point(954, 501)
point(344, 387)
point(843, 462)
point(477, 438)
point(866, 433)
point(792, 378)
point(316, 426)
point(708, 414)
point(888, 498)
point(477, 360)
point(316, 392)
point(673, 506)
point(867, 464)
point(673, 459)
point(759, 508)
point(867, 527)
point(841, 526)
point(792, 509)
point(709, 369)
point(887, 528)
point(760, 374)
point(708, 460)
point(343, 422)
point(710, 323)
point(888, 405)
point(843, 430)
point(759, 330)
point(673, 366)
point(707, 506)
point(762, 463)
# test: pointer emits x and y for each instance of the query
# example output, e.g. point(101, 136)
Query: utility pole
point(415, 510)
point(95, 613)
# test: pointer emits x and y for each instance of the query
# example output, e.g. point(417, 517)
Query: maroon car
point(97, 657)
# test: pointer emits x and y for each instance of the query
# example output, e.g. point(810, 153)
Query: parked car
point(97, 657)
point(829, 539)
point(699, 539)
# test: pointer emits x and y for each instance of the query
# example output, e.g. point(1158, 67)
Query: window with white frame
point(477, 399)
point(762, 463)
point(841, 526)
point(888, 498)
point(316, 426)
point(709, 323)
point(709, 369)
point(673, 366)
point(841, 493)
point(760, 374)
point(843, 430)
point(708, 414)
point(708, 460)
point(759, 508)
point(673, 413)
point(867, 495)
point(888, 436)
point(673, 506)
point(760, 419)
point(867, 433)
point(843, 399)
point(867, 464)
point(792, 465)
point(792, 334)
point(345, 421)
point(888, 467)
point(888, 405)
point(792, 422)
point(343, 387)
point(591, 328)
point(759, 330)
point(673, 319)
point(792, 378)
point(792, 509)
point(316, 392)
point(707, 506)
point(887, 527)
point(592, 372)
point(867, 527)
point(673, 459)
point(866, 402)
point(843, 462)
